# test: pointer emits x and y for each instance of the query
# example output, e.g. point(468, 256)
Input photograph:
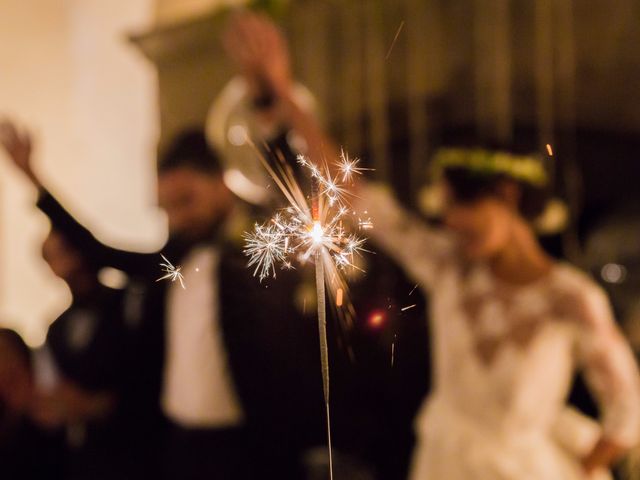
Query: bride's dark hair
point(468, 185)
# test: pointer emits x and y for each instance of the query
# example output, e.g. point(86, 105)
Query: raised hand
point(259, 49)
point(18, 146)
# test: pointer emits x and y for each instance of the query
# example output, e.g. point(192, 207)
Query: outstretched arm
point(133, 263)
point(18, 145)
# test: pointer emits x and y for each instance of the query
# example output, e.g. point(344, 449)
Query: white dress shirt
point(198, 391)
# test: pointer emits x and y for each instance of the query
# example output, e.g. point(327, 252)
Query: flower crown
point(525, 168)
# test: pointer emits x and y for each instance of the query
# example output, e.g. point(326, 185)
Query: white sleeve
point(420, 249)
point(610, 369)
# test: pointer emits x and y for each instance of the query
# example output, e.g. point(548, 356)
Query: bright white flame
point(317, 233)
point(295, 230)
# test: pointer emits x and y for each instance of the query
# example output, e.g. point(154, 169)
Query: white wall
point(67, 71)
point(174, 11)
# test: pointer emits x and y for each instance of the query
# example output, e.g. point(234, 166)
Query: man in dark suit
point(27, 452)
point(91, 390)
point(232, 350)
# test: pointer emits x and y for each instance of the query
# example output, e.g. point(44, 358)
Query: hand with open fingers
point(260, 51)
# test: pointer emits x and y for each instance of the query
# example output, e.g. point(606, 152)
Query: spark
point(172, 272)
point(413, 289)
point(266, 246)
point(404, 309)
point(395, 39)
point(296, 232)
point(549, 150)
point(348, 167)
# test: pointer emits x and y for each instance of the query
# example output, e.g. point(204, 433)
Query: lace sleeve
point(610, 369)
point(418, 248)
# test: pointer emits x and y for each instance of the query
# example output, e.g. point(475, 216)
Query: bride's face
point(482, 226)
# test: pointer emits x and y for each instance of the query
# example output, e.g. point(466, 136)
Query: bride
point(510, 325)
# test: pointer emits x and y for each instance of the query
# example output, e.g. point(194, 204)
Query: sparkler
point(314, 231)
point(305, 231)
point(172, 272)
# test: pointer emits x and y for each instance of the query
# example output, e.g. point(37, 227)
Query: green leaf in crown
point(275, 8)
point(524, 168)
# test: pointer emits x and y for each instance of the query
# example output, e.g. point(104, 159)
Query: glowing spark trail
point(395, 39)
point(407, 307)
point(393, 349)
point(308, 231)
point(172, 272)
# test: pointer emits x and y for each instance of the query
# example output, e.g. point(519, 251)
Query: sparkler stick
point(322, 319)
point(324, 349)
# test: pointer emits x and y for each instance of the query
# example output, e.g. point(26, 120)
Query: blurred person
point(233, 351)
point(92, 350)
point(510, 324)
point(26, 451)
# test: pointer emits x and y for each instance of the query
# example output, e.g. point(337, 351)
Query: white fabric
point(46, 373)
point(198, 391)
point(503, 361)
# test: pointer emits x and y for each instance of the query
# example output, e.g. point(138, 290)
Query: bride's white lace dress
point(504, 358)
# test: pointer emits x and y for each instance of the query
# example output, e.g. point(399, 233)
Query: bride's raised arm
point(421, 249)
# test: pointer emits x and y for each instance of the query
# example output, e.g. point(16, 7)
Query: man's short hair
point(190, 150)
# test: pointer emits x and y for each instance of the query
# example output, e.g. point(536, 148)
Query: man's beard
point(182, 242)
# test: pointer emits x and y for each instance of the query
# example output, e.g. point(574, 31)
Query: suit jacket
point(272, 352)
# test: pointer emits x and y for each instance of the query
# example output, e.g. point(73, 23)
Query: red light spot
point(376, 319)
